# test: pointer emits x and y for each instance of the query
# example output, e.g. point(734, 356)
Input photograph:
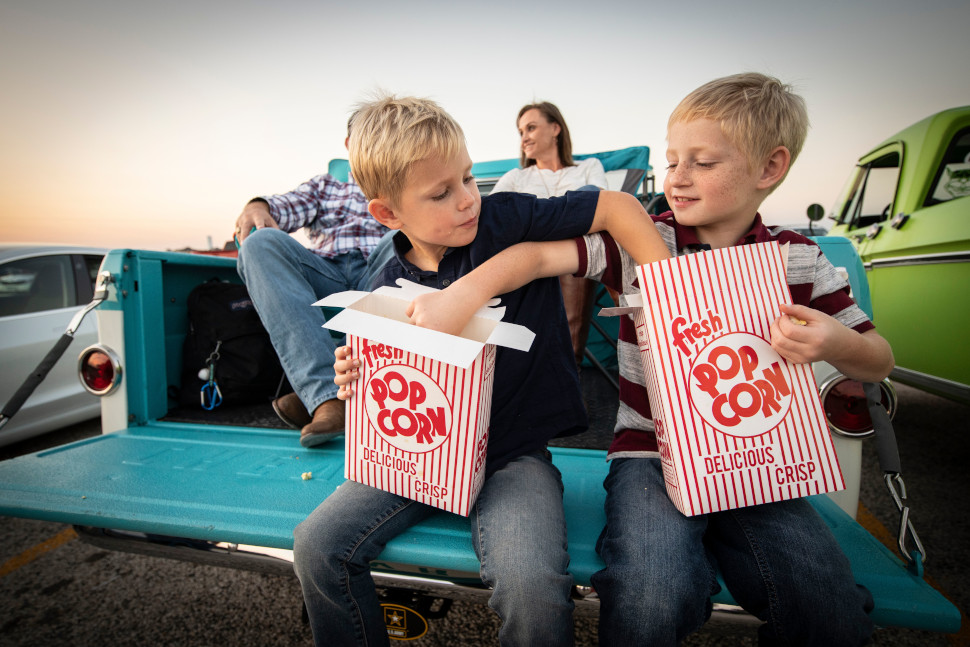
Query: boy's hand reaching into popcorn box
point(447, 311)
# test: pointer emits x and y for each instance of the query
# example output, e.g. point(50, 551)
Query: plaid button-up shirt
point(333, 213)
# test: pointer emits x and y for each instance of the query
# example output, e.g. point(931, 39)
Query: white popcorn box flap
point(737, 424)
point(380, 316)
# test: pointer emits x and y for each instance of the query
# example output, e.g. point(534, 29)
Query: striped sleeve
point(813, 281)
point(609, 264)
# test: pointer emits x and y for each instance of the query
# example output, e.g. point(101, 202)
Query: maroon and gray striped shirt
point(812, 281)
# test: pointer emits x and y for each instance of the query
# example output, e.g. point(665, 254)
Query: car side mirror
point(815, 213)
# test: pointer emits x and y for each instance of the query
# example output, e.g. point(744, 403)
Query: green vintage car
point(907, 209)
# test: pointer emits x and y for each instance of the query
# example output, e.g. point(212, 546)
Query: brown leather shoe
point(328, 422)
point(291, 410)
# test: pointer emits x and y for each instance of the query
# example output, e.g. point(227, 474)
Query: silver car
point(41, 287)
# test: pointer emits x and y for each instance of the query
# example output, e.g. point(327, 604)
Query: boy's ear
point(775, 167)
point(383, 212)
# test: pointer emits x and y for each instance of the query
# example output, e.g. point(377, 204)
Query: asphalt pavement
point(56, 590)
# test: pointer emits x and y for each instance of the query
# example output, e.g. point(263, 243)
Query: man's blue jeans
point(779, 560)
point(518, 532)
point(284, 278)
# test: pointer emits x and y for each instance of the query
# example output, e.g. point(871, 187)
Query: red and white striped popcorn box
point(418, 422)
point(736, 423)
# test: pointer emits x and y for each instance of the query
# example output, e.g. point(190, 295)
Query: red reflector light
point(99, 370)
point(845, 406)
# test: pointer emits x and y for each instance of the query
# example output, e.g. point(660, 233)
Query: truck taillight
point(846, 409)
point(99, 370)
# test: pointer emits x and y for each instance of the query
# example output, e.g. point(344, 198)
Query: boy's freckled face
point(440, 203)
point(709, 184)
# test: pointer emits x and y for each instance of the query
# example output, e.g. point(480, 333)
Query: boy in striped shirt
point(730, 143)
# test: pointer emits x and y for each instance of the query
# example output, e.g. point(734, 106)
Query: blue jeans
point(284, 278)
point(779, 560)
point(518, 532)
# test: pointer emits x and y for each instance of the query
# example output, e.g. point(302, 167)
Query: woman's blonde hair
point(757, 113)
point(390, 134)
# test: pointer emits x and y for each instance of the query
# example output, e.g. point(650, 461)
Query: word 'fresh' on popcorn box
point(418, 422)
point(736, 423)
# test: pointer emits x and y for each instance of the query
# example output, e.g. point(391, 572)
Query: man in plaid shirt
point(284, 278)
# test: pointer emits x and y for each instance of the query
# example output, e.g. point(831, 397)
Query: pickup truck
point(227, 486)
point(906, 207)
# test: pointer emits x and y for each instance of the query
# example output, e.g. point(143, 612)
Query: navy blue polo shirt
point(536, 395)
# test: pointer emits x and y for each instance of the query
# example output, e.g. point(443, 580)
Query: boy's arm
point(622, 215)
point(449, 310)
point(816, 336)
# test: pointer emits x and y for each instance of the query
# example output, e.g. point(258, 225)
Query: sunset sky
point(149, 125)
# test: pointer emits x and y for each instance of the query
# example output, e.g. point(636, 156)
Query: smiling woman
point(547, 162)
point(547, 170)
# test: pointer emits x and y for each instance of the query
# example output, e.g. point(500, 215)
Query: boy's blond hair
point(757, 113)
point(390, 134)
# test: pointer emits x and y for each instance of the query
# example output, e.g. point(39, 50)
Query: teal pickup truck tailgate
point(246, 486)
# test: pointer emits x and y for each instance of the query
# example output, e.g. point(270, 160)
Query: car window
point(86, 268)
point(36, 284)
point(93, 264)
point(953, 176)
point(873, 192)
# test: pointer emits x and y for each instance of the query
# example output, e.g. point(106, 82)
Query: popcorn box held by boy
point(418, 423)
point(736, 423)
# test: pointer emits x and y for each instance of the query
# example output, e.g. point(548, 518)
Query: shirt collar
point(757, 234)
point(402, 245)
point(686, 237)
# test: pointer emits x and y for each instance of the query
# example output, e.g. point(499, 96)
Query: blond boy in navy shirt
point(410, 160)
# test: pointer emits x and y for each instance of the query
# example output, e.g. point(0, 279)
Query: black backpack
point(227, 357)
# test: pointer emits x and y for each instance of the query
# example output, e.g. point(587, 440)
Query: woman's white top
point(545, 183)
